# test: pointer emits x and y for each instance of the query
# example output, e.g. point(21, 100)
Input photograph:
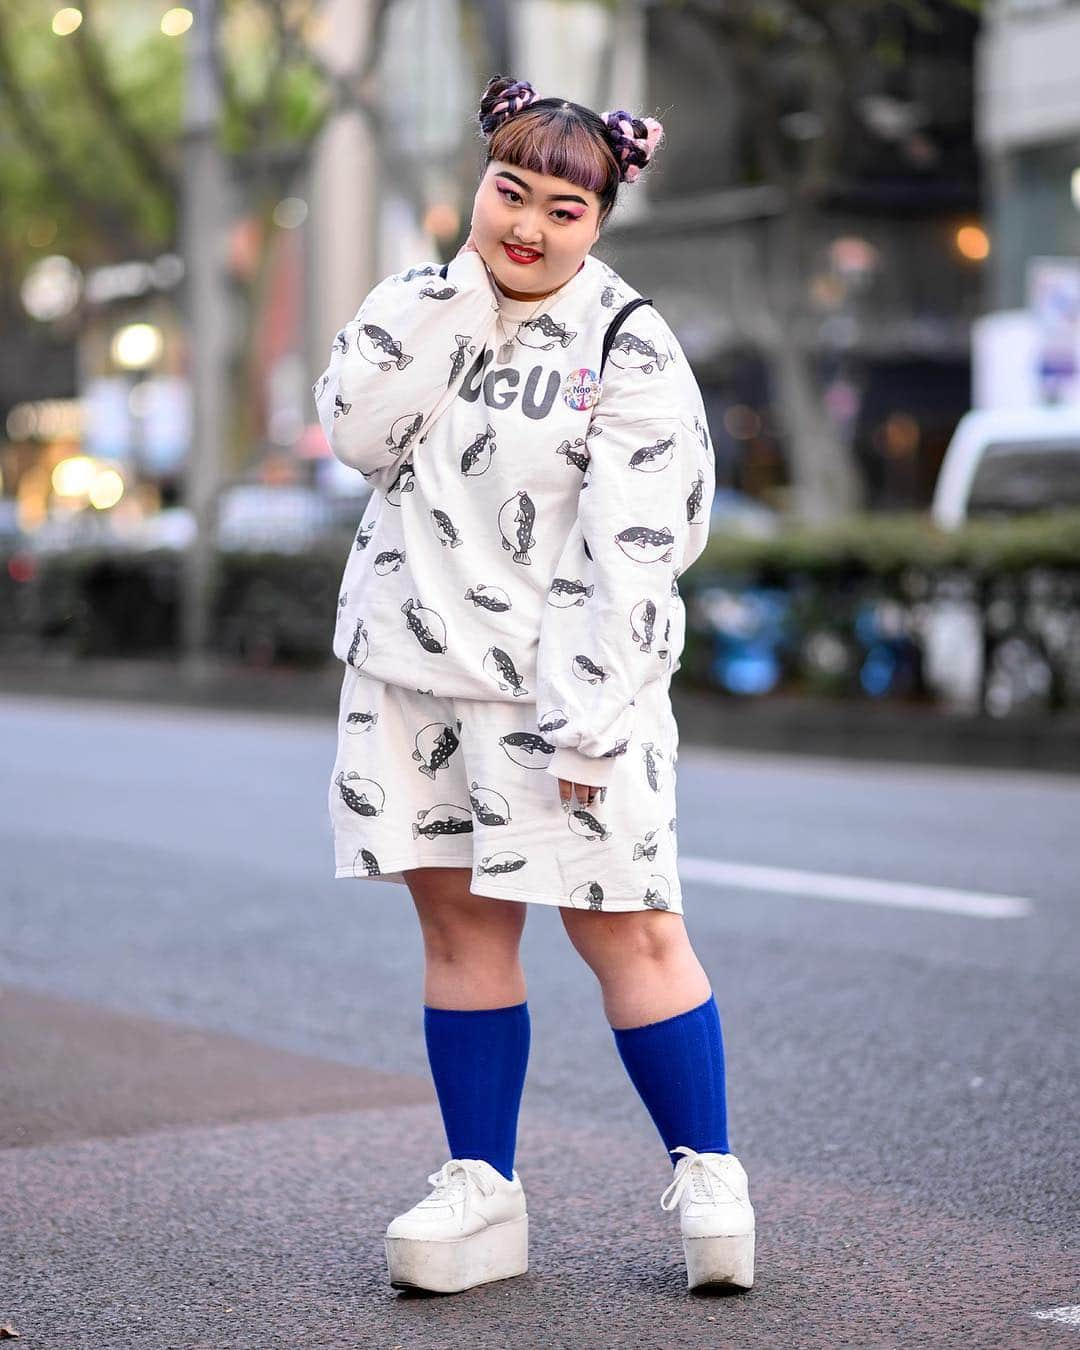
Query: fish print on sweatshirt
point(435, 743)
point(647, 849)
point(564, 592)
point(366, 864)
point(646, 545)
point(552, 720)
point(364, 533)
point(419, 272)
point(651, 458)
point(404, 429)
point(527, 749)
point(459, 355)
point(476, 457)
point(544, 333)
point(358, 722)
point(658, 895)
point(490, 807)
point(377, 346)
point(584, 823)
point(445, 531)
point(358, 647)
point(619, 748)
point(652, 769)
point(389, 560)
point(589, 895)
point(492, 598)
point(588, 670)
point(445, 818)
point(643, 623)
point(341, 408)
point(362, 795)
point(500, 666)
point(693, 501)
point(516, 517)
point(576, 453)
point(630, 352)
point(404, 481)
point(443, 293)
point(425, 625)
point(498, 864)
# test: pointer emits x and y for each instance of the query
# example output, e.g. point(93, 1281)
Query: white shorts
point(425, 781)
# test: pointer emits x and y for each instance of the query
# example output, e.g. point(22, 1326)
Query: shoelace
point(451, 1183)
point(698, 1171)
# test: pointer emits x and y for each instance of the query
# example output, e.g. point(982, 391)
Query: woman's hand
point(585, 794)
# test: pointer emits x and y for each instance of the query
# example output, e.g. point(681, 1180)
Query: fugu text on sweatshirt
point(528, 522)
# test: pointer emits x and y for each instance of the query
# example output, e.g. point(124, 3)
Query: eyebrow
point(554, 197)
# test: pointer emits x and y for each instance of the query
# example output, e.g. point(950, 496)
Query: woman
point(509, 615)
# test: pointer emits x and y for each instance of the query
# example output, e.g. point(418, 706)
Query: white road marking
point(856, 890)
point(1069, 1314)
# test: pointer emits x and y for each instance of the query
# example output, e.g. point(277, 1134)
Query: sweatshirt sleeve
point(411, 341)
point(643, 518)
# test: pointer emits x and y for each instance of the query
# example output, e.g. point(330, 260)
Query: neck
point(532, 295)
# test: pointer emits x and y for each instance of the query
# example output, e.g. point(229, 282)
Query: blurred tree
point(800, 70)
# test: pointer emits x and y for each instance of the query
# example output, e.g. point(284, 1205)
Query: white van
point(1008, 461)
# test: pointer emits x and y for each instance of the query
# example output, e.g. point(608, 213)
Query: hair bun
point(634, 140)
point(502, 98)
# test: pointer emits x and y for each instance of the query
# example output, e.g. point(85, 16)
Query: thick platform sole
point(448, 1267)
point(719, 1261)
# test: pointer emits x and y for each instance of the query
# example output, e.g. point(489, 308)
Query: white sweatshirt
point(530, 545)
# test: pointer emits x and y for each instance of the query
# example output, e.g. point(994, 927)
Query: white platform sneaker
point(716, 1218)
point(471, 1229)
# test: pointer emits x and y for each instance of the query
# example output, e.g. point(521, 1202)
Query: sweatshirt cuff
point(578, 768)
point(468, 270)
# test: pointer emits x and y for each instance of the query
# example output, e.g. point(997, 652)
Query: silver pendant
point(506, 352)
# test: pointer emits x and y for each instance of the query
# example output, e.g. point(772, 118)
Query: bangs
point(548, 142)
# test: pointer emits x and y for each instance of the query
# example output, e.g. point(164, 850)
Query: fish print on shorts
point(646, 545)
point(658, 895)
point(693, 502)
point(552, 720)
point(490, 807)
point(642, 624)
point(425, 625)
point(366, 864)
point(377, 346)
point(445, 531)
point(583, 822)
point(500, 666)
point(527, 749)
point(446, 818)
point(362, 795)
point(493, 598)
point(497, 864)
point(565, 591)
point(590, 895)
point(648, 849)
point(435, 743)
point(516, 517)
point(652, 768)
point(630, 352)
point(358, 647)
point(543, 333)
point(476, 457)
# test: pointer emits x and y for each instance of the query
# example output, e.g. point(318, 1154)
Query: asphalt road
point(216, 1095)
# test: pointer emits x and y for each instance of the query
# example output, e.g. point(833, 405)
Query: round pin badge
point(581, 389)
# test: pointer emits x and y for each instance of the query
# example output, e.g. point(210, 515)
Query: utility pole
point(204, 222)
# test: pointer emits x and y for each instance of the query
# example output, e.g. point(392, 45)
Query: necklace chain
point(506, 351)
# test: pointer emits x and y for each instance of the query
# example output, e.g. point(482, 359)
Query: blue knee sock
point(478, 1059)
point(677, 1066)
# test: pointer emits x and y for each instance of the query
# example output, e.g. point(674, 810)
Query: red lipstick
point(523, 258)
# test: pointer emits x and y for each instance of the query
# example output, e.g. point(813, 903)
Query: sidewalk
point(785, 725)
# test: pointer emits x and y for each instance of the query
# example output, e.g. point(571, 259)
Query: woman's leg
point(664, 1019)
point(476, 1019)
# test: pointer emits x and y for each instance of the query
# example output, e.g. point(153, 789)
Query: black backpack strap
point(616, 323)
point(442, 270)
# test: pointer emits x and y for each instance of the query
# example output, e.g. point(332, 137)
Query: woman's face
point(554, 221)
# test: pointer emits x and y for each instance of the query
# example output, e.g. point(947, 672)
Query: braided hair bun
point(502, 98)
point(634, 139)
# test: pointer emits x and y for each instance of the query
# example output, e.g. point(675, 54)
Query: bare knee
point(458, 925)
point(608, 942)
